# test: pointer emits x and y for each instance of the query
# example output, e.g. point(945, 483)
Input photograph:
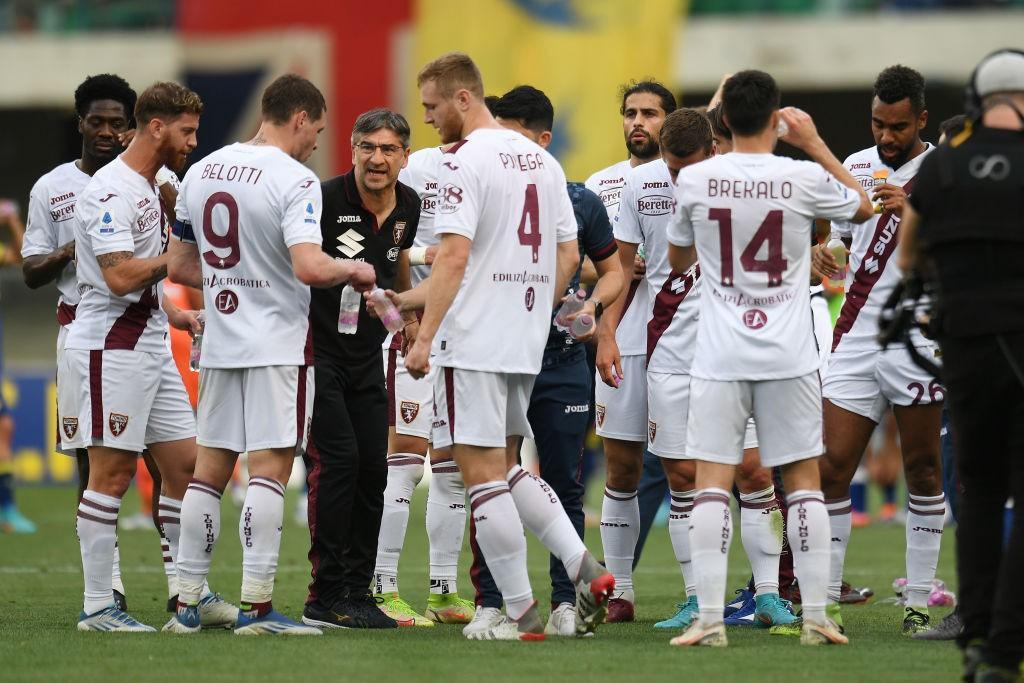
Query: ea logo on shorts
point(531, 296)
point(755, 319)
point(226, 302)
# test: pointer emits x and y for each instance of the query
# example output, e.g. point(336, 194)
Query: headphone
point(972, 100)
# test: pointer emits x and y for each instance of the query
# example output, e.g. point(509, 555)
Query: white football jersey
point(630, 335)
point(872, 271)
point(244, 206)
point(671, 298)
point(119, 210)
point(508, 196)
point(51, 225)
point(751, 217)
point(421, 175)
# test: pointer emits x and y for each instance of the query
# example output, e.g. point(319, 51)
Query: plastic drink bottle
point(573, 304)
point(581, 326)
point(348, 312)
point(386, 310)
point(197, 344)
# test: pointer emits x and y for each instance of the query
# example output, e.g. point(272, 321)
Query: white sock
point(97, 537)
point(446, 525)
point(924, 538)
point(679, 533)
point(404, 471)
point(170, 532)
point(499, 533)
point(710, 537)
point(200, 527)
point(761, 533)
point(808, 528)
point(115, 574)
point(840, 521)
point(620, 529)
point(259, 530)
point(543, 514)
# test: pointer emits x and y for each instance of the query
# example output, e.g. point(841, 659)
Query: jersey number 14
point(770, 231)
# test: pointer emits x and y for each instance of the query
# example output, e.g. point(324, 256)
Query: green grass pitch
point(40, 599)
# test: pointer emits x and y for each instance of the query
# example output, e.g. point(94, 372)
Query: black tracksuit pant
point(986, 404)
point(347, 461)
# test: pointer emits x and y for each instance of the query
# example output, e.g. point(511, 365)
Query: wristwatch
point(598, 308)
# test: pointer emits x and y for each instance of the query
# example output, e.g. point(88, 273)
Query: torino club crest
point(652, 429)
point(599, 414)
point(117, 423)
point(410, 409)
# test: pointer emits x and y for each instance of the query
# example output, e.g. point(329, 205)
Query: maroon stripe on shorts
point(630, 293)
point(66, 313)
point(868, 274)
point(307, 351)
point(128, 328)
point(666, 303)
point(392, 366)
point(300, 405)
point(449, 393)
point(92, 518)
point(96, 392)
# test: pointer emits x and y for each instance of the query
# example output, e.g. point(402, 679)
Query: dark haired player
point(104, 104)
point(620, 397)
point(863, 380)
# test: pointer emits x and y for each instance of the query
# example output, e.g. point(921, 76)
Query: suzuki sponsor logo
point(350, 243)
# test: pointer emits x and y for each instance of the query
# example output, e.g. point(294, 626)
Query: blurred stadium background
point(824, 53)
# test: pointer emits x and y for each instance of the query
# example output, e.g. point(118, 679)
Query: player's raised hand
point(823, 262)
point(609, 362)
point(802, 132)
point(361, 276)
point(891, 197)
point(417, 360)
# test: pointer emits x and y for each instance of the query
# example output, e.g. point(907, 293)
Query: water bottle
point(573, 304)
point(581, 326)
point(879, 177)
point(386, 311)
point(782, 129)
point(197, 344)
point(348, 312)
point(838, 251)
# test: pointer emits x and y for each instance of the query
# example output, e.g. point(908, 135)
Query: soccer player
point(119, 391)
point(248, 233)
point(620, 398)
point(560, 401)
point(507, 251)
point(104, 104)
point(371, 218)
point(748, 217)
point(864, 380)
point(410, 414)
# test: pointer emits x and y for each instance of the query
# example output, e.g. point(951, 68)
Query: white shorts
point(410, 401)
point(250, 409)
point(121, 399)
point(480, 408)
point(62, 334)
point(787, 411)
point(668, 406)
point(822, 320)
point(622, 413)
point(868, 382)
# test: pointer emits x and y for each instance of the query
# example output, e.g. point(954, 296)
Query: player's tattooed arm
point(124, 273)
point(43, 268)
point(184, 266)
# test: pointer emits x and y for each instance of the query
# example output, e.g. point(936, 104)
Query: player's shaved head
point(452, 72)
point(290, 94)
point(166, 101)
point(749, 98)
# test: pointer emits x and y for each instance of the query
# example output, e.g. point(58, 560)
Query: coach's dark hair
point(290, 94)
point(105, 87)
point(952, 126)
point(668, 100)
point(166, 100)
point(748, 100)
point(686, 131)
point(718, 123)
point(900, 82)
point(376, 119)
point(528, 105)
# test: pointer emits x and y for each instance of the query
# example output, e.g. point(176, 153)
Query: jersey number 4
point(770, 231)
point(229, 240)
point(529, 222)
